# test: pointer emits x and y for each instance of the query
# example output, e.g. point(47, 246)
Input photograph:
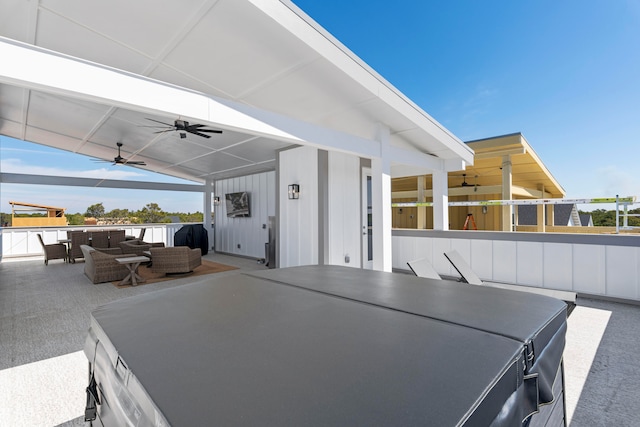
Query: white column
point(422, 210)
point(207, 223)
point(540, 214)
point(381, 203)
point(507, 194)
point(440, 200)
point(550, 215)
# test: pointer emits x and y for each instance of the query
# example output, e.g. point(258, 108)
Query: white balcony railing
point(23, 241)
point(598, 265)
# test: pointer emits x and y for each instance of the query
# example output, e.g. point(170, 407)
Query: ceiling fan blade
point(210, 130)
point(199, 134)
point(158, 121)
point(135, 163)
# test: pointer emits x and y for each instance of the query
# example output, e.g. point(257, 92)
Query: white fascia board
point(415, 158)
point(406, 163)
point(299, 24)
point(40, 69)
point(67, 181)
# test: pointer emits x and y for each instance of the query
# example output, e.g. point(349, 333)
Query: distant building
point(32, 215)
point(586, 220)
point(504, 168)
point(563, 215)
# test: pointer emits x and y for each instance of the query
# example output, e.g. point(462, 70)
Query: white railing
point(598, 265)
point(23, 241)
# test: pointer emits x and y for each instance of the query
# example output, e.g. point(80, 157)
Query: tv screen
point(237, 204)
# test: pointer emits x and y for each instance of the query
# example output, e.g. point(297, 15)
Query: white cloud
point(13, 165)
point(614, 181)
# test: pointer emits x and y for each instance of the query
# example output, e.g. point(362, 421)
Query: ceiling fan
point(464, 181)
point(119, 160)
point(466, 184)
point(184, 127)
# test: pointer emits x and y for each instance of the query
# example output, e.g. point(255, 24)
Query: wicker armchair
point(138, 247)
point(53, 251)
point(100, 239)
point(102, 267)
point(78, 238)
point(115, 237)
point(178, 259)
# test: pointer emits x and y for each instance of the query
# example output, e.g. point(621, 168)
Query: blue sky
point(563, 73)
point(566, 74)
point(22, 157)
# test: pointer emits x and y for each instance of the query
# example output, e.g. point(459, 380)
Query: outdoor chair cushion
point(177, 259)
point(100, 239)
point(138, 247)
point(115, 237)
point(78, 238)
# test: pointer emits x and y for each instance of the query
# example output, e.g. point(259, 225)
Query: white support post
point(208, 200)
point(507, 194)
point(381, 204)
point(421, 210)
point(440, 200)
point(541, 214)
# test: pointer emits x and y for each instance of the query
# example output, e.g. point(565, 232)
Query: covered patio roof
point(530, 177)
point(83, 76)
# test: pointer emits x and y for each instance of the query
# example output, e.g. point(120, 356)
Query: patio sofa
point(102, 267)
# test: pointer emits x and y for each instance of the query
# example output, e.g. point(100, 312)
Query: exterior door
point(367, 221)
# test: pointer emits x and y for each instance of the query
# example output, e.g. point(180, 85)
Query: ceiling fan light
point(183, 135)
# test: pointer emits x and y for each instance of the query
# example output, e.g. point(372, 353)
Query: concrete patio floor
point(44, 315)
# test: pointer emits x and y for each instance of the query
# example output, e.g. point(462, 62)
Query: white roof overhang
point(82, 76)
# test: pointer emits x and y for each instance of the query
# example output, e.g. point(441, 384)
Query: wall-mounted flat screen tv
point(237, 204)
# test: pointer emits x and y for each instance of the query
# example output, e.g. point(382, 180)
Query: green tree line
point(604, 218)
point(150, 213)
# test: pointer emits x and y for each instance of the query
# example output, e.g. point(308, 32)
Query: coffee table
point(132, 263)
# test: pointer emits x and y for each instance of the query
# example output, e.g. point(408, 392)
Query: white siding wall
point(298, 219)
point(344, 211)
point(245, 236)
point(609, 269)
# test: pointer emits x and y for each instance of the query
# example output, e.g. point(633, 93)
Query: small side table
point(67, 243)
point(132, 263)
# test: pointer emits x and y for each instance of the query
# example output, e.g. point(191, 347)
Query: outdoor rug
point(207, 267)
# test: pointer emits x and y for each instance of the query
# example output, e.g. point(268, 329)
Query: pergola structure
point(505, 168)
point(82, 77)
point(47, 215)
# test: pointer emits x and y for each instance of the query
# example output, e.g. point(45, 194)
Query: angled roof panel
point(266, 54)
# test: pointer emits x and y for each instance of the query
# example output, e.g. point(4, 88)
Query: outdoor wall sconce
point(216, 200)
point(294, 191)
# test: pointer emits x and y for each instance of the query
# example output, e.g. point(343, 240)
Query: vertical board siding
point(505, 254)
point(440, 263)
point(249, 233)
point(589, 268)
point(558, 266)
point(593, 269)
point(622, 272)
point(298, 219)
point(530, 264)
point(482, 260)
point(344, 209)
